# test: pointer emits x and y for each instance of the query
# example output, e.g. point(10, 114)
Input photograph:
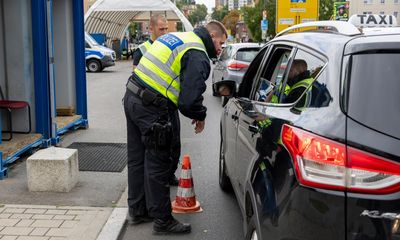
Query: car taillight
point(235, 66)
point(323, 163)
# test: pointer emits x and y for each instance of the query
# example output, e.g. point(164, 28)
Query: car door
point(251, 117)
point(231, 115)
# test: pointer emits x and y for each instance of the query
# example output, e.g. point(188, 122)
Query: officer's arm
point(195, 69)
point(137, 55)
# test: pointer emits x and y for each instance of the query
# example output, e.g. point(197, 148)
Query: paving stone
point(64, 217)
point(69, 224)
point(39, 231)
point(5, 215)
point(56, 212)
point(58, 238)
point(59, 232)
point(14, 210)
point(9, 237)
point(25, 223)
point(21, 216)
point(8, 222)
point(32, 238)
point(19, 231)
point(47, 223)
point(43, 216)
point(2, 208)
point(35, 211)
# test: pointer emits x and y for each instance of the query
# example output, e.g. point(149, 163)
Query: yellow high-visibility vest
point(144, 47)
point(160, 66)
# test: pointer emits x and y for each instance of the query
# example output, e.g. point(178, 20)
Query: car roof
point(246, 45)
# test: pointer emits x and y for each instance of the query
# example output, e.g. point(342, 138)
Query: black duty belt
point(148, 96)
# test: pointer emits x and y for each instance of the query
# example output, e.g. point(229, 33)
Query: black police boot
point(173, 181)
point(138, 219)
point(171, 226)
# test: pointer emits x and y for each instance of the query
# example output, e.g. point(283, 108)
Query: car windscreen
point(374, 91)
point(246, 54)
point(90, 40)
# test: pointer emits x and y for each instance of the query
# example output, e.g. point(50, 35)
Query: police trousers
point(149, 169)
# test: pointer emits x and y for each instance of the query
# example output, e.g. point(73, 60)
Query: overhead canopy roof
point(112, 17)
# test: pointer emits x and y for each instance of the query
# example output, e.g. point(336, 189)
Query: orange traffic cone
point(185, 201)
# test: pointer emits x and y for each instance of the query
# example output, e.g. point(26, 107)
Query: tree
point(325, 9)
point(198, 15)
point(230, 21)
point(220, 14)
point(253, 16)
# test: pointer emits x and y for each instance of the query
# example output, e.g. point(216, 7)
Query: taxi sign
point(373, 20)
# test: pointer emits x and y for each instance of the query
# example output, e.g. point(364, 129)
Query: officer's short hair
point(155, 18)
point(218, 27)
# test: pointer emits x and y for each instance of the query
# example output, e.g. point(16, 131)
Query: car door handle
point(235, 117)
point(253, 128)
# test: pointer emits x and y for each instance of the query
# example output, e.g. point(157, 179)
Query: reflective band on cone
point(185, 201)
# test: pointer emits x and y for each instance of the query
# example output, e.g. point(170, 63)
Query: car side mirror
point(225, 88)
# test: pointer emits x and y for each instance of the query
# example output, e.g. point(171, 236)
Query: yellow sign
point(291, 12)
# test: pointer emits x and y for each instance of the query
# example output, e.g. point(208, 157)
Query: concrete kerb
point(114, 225)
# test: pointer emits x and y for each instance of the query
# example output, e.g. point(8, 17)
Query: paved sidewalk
point(36, 222)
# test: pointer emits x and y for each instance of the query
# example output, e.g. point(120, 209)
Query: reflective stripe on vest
point(285, 93)
point(144, 47)
point(160, 66)
point(304, 83)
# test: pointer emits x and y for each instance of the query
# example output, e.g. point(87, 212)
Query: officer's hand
point(199, 126)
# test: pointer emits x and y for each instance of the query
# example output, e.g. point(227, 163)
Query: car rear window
point(374, 91)
point(246, 54)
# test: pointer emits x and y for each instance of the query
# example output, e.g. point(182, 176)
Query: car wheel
point(93, 65)
point(252, 230)
point(224, 181)
point(224, 101)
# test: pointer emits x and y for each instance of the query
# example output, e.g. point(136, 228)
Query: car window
point(373, 97)
point(304, 69)
point(246, 54)
point(273, 74)
point(248, 78)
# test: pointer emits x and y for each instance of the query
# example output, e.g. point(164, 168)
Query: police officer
point(171, 75)
point(158, 27)
point(299, 80)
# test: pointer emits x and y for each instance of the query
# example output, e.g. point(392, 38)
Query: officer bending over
point(170, 76)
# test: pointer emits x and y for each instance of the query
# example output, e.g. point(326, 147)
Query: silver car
point(233, 62)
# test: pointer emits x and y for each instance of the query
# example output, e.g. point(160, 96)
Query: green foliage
point(220, 14)
point(198, 15)
point(253, 16)
point(325, 9)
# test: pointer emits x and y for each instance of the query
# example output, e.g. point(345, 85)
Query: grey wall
point(64, 53)
point(17, 82)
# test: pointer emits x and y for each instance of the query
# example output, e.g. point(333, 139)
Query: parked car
point(233, 62)
point(97, 56)
point(317, 156)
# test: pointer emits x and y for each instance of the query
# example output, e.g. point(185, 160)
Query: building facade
point(391, 7)
point(238, 4)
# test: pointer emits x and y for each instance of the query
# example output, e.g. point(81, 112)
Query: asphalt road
point(221, 218)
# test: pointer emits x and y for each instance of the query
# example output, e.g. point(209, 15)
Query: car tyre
point(252, 233)
point(94, 65)
point(224, 181)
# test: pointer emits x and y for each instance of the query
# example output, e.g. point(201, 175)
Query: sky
point(209, 3)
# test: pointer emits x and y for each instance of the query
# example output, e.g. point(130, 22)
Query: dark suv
point(311, 142)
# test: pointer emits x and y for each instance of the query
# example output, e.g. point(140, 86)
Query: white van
point(97, 57)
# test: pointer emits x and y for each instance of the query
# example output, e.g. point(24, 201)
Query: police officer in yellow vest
point(170, 76)
point(158, 27)
point(299, 80)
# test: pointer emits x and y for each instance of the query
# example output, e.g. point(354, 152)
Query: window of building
point(382, 1)
point(382, 12)
point(395, 14)
point(396, 1)
point(368, 1)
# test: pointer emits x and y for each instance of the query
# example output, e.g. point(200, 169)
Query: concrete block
point(53, 170)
